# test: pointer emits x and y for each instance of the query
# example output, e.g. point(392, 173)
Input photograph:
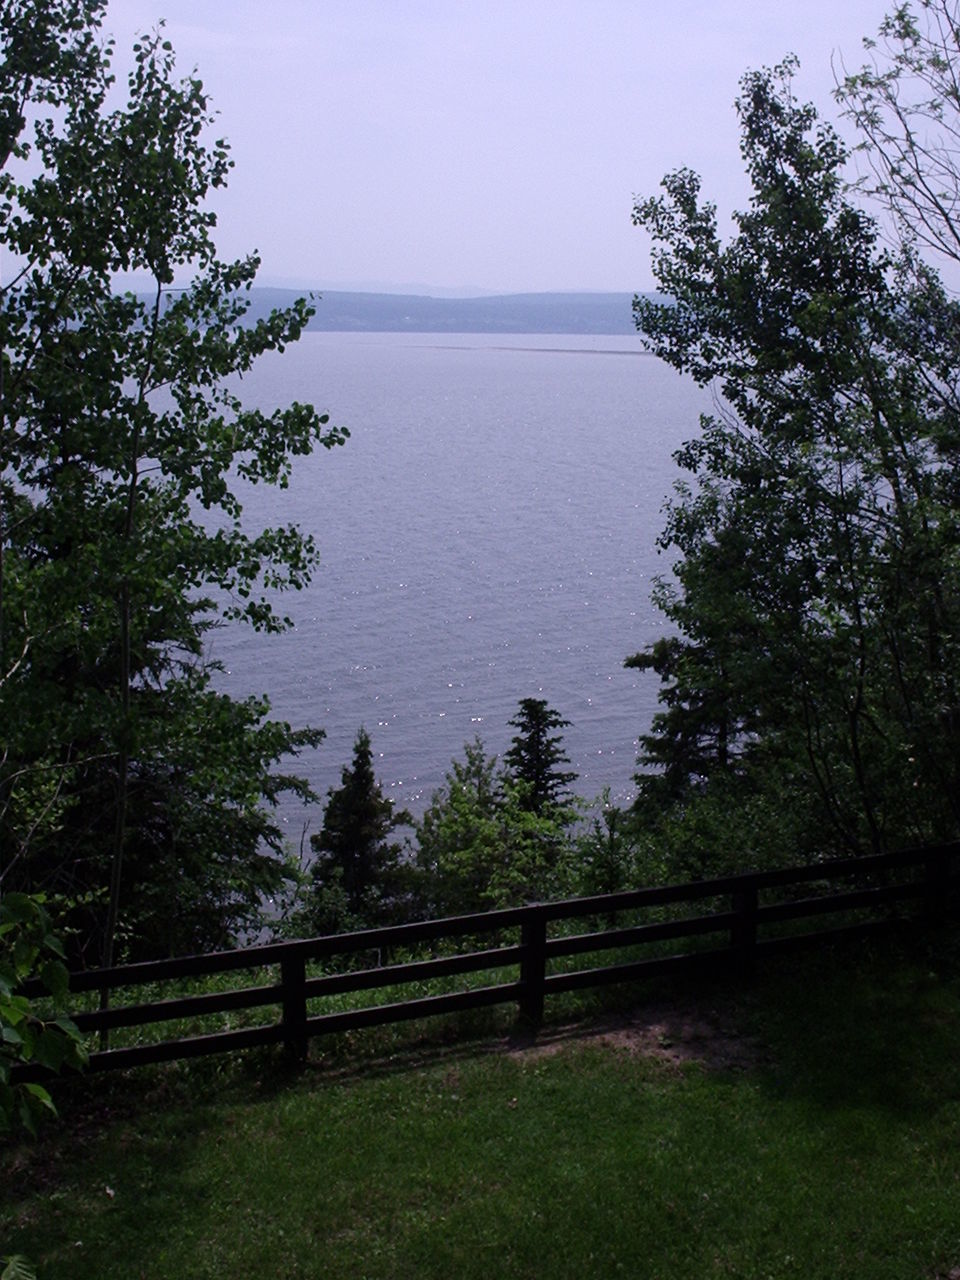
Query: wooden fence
point(746, 917)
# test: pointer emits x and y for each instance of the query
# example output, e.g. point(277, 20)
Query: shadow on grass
point(195, 1152)
point(856, 1025)
point(865, 1026)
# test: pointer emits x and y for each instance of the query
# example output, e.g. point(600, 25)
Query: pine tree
point(358, 876)
point(536, 754)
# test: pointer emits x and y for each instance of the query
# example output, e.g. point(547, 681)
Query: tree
point(606, 852)
point(359, 878)
point(123, 449)
point(535, 755)
point(904, 101)
point(459, 837)
point(815, 595)
point(482, 845)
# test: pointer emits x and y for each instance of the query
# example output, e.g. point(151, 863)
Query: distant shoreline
point(533, 313)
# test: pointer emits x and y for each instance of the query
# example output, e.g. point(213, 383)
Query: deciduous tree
point(127, 783)
point(905, 103)
point(815, 587)
point(481, 844)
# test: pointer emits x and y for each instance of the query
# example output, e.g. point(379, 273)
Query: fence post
point(936, 886)
point(533, 966)
point(293, 976)
point(743, 935)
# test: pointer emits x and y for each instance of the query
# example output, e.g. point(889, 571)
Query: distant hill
point(412, 313)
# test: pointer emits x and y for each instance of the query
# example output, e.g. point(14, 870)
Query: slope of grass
point(832, 1151)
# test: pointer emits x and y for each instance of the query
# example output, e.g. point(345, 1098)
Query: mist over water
point(487, 534)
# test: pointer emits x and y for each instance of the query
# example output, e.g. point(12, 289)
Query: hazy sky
point(493, 144)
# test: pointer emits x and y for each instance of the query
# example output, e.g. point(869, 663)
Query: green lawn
point(818, 1135)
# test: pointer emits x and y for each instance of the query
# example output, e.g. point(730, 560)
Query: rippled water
point(487, 534)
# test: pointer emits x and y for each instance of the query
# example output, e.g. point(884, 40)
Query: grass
point(834, 1152)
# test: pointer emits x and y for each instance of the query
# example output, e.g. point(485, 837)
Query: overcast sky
point(489, 145)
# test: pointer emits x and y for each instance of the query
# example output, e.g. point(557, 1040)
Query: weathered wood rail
point(867, 891)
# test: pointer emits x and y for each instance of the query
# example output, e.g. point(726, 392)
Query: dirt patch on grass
point(690, 1032)
point(671, 1031)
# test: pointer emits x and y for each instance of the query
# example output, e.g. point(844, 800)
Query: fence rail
point(748, 926)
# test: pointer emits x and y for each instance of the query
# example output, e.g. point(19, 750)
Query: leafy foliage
point(905, 104)
point(127, 784)
point(29, 949)
point(815, 593)
point(482, 843)
point(612, 852)
point(17, 1268)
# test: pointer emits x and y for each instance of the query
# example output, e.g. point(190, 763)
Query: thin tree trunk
point(123, 752)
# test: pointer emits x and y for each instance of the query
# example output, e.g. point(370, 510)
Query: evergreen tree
point(535, 754)
point(606, 852)
point(359, 877)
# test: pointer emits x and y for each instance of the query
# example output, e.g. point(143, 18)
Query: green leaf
point(52, 943)
point(51, 1048)
point(55, 978)
point(42, 1096)
point(17, 1268)
point(14, 1011)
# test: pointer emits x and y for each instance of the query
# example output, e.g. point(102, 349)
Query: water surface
point(488, 533)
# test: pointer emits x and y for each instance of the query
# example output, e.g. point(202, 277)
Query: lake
point(487, 534)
